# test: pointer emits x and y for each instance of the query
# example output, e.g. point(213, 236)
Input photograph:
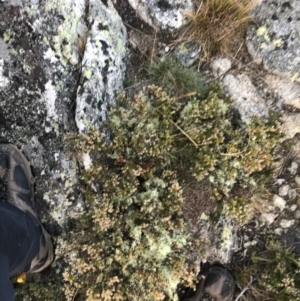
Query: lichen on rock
point(163, 14)
point(274, 40)
point(103, 65)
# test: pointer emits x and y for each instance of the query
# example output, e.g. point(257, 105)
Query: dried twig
point(244, 289)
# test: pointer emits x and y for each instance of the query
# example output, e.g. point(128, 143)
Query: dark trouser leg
point(20, 236)
point(6, 287)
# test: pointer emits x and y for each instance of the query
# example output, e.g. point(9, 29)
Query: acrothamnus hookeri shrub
point(133, 243)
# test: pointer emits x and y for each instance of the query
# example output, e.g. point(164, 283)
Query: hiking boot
point(16, 174)
point(217, 282)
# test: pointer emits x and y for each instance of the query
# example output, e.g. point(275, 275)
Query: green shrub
point(136, 241)
point(240, 209)
point(275, 271)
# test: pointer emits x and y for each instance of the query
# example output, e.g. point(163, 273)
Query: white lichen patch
point(4, 81)
point(50, 55)
point(87, 161)
point(286, 223)
point(49, 98)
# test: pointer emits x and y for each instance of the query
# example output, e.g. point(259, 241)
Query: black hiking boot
point(18, 188)
point(217, 282)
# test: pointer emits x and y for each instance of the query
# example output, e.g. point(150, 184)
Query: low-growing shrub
point(135, 247)
point(275, 272)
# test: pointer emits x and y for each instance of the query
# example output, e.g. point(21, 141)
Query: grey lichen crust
point(103, 65)
point(275, 39)
point(163, 14)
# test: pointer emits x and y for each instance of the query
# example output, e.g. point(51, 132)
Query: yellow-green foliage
point(45, 289)
point(134, 247)
point(240, 209)
point(276, 273)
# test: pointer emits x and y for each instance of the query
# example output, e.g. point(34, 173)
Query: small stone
point(187, 53)
point(278, 231)
point(297, 214)
point(280, 181)
point(287, 223)
point(220, 66)
point(293, 168)
point(293, 207)
point(268, 218)
point(204, 217)
point(292, 194)
point(283, 190)
point(297, 180)
point(279, 202)
point(245, 97)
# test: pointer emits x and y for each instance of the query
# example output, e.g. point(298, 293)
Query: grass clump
point(133, 243)
point(176, 79)
point(275, 272)
point(218, 24)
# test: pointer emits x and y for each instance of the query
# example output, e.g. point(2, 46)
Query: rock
point(268, 218)
point(293, 168)
point(187, 53)
point(275, 40)
point(103, 65)
point(245, 97)
point(279, 202)
point(164, 14)
point(278, 231)
point(220, 66)
point(283, 190)
point(297, 180)
point(43, 77)
point(225, 240)
point(288, 90)
point(293, 207)
point(292, 194)
point(286, 223)
point(297, 214)
point(221, 239)
point(290, 124)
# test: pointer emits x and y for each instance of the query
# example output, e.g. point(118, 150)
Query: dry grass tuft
point(81, 45)
point(218, 25)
